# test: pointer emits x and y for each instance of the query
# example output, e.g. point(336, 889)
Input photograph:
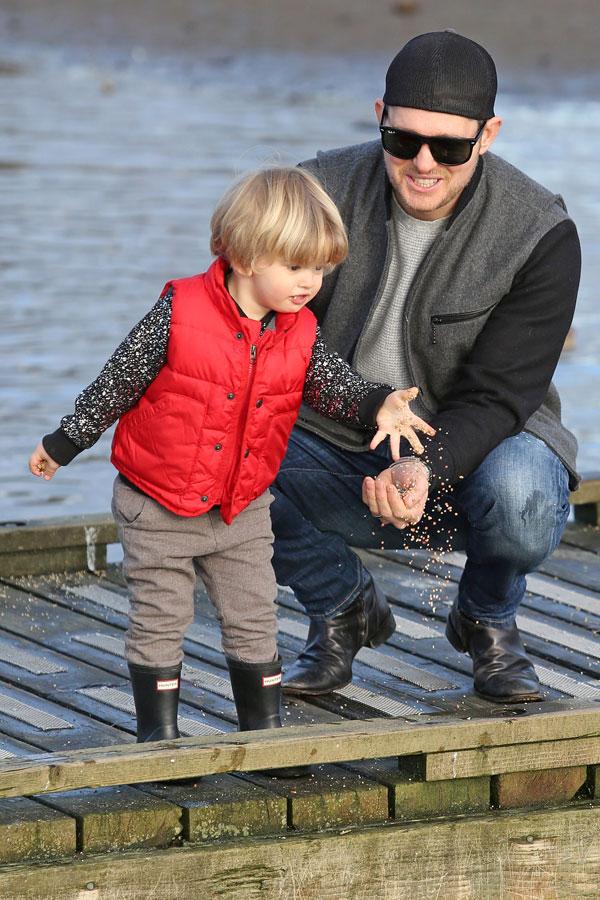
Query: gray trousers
point(163, 553)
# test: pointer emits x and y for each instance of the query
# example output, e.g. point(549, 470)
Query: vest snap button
point(230, 395)
point(204, 498)
point(239, 335)
point(218, 446)
point(259, 403)
point(246, 453)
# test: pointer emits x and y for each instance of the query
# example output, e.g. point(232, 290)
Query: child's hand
point(42, 465)
point(396, 419)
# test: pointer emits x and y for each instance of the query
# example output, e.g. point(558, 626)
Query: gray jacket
point(468, 272)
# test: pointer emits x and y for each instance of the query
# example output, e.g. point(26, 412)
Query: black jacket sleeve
point(132, 367)
point(508, 373)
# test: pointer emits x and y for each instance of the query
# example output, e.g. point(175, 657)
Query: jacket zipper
point(450, 318)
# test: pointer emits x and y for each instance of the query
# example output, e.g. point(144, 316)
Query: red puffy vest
point(213, 426)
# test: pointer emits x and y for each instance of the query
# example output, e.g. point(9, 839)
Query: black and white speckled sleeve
point(132, 367)
point(336, 391)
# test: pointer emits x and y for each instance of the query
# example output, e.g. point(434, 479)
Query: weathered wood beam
point(586, 500)
point(341, 742)
point(542, 854)
point(515, 758)
point(63, 544)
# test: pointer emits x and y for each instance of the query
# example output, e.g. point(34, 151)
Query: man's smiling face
point(424, 188)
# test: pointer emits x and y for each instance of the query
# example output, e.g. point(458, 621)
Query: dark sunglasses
point(445, 150)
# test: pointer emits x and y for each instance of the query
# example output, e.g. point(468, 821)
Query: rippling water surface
point(108, 175)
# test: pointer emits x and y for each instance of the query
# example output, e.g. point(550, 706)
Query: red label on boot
point(270, 680)
point(170, 685)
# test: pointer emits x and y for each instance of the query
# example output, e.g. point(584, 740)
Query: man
point(461, 279)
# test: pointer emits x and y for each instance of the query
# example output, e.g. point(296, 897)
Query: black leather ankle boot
point(156, 698)
point(325, 664)
point(257, 694)
point(502, 671)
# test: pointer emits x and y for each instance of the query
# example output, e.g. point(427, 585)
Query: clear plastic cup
point(404, 472)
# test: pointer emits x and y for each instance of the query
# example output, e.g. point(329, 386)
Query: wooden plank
point(46, 725)
point(582, 536)
point(118, 818)
point(330, 797)
point(410, 797)
point(577, 567)
point(588, 490)
point(247, 751)
point(546, 787)
point(30, 830)
point(541, 855)
point(586, 500)
point(515, 758)
point(223, 806)
point(55, 545)
point(61, 531)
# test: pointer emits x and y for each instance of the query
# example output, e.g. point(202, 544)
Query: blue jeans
point(508, 515)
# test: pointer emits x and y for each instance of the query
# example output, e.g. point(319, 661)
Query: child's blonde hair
point(278, 214)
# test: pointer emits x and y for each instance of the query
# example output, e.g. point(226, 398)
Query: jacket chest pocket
point(469, 324)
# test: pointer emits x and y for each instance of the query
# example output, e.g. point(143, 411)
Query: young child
point(206, 388)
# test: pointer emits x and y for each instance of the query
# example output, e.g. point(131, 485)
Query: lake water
point(109, 172)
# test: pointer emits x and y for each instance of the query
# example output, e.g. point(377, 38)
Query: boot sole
point(302, 692)
point(385, 631)
point(515, 698)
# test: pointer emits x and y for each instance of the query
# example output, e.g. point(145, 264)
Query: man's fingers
point(368, 494)
point(413, 498)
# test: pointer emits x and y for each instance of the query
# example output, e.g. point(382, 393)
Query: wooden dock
point(420, 789)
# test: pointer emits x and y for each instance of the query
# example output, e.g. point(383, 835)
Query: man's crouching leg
point(516, 504)
point(317, 512)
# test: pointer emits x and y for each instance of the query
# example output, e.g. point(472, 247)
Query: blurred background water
point(109, 170)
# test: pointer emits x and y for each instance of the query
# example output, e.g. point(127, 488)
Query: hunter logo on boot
point(171, 685)
point(270, 680)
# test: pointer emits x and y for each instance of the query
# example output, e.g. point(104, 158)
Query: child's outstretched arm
point(335, 390)
point(132, 367)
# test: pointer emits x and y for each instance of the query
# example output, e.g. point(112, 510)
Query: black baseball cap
point(442, 71)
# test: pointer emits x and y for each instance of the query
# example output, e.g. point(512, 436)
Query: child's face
point(284, 287)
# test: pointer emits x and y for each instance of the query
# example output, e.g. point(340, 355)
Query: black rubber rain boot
point(257, 694)
point(156, 698)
